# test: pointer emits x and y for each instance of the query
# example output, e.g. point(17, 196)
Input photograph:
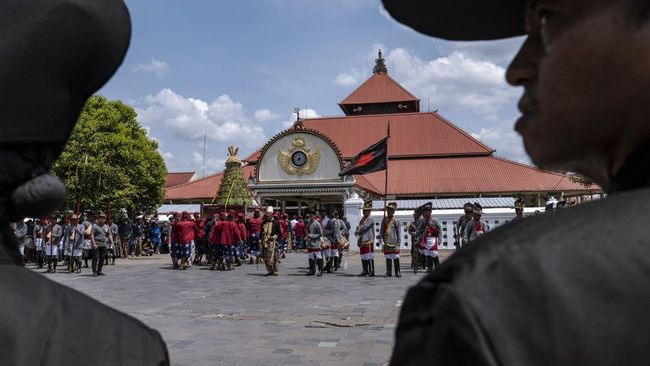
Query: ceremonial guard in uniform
point(73, 242)
point(39, 234)
point(418, 260)
point(254, 228)
point(174, 250)
point(390, 240)
point(113, 244)
point(365, 234)
point(87, 252)
point(199, 243)
point(430, 233)
point(53, 233)
point(333, 234)
point(186, 231)
point(285, 226)
point(519, 209)
point(215, 242)
point(243, 237)
point(271, 231)
point(477, 227)
point(314, 232)
point(461, 224)
point(229, 237)
point(299, 233)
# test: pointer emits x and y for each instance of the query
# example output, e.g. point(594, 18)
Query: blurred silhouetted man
point(569, 287)
point(54, 55)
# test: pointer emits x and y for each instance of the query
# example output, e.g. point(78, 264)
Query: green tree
point(109, 160)
point(582, 180)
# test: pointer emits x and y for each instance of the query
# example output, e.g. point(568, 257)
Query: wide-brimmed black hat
point(461, 20)
point(55, 55)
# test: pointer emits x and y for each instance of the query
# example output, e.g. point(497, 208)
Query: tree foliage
point(582, 180)
point(109, 160)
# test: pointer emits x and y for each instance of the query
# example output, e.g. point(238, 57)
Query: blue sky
point(233, 70)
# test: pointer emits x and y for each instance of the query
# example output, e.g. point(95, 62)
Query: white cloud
point(265, 115)
point(167, 155)
point(506, 141)
point(303, 113)
point(156, 67)
point(456, 82)
point(223, 120)
point(211, 164)
point(349, 78)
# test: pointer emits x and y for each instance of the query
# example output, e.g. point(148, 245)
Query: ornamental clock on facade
point(299, 158)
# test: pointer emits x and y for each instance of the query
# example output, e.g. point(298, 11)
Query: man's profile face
point(585, 77)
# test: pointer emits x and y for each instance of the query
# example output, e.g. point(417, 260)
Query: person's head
point(583, 68)
point(478, 212)
point(585, 82)
point(256, 213)
point(366, 208)
point(268, 214)
point(390, 209)
point(426, 210)
point(101, 218)
point(197, 216)
point(519, 207)
point(185, 216)
point(468, 208)
point(311, 214)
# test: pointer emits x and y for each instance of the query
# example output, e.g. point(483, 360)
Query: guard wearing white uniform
point(390, 240)
point(365, 234)
point(313, 235)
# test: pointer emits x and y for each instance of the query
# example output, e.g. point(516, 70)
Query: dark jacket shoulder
point(551, 289)
point(44, 322)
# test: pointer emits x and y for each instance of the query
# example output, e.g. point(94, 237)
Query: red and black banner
point(372, 159)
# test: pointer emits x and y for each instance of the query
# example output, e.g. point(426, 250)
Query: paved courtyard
point(243, 318)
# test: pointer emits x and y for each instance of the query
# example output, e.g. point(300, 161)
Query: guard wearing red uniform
point(229, 236)
point(215, 241)
point(299, 232)
point(254, 228)
point(187, 231)
point(284, 225)
point(239, 245)
point(199, 243)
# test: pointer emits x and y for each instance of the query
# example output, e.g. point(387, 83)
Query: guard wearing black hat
point(430, 232)
point(476, 227)
point(519, 209)
point(313, 234)
point(461, 224)
point(365, 233)
point(390, 240)
point(55, 55)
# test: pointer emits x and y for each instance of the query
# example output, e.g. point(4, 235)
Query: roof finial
point(380, 66)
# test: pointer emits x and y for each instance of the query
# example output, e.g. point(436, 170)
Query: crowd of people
point(225, 240)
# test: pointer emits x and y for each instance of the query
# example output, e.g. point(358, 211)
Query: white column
point(353, 213)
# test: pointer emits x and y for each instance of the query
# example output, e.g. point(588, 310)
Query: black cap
point(461, 20)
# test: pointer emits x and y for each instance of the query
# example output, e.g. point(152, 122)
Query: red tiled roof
point(466, 175)
point(174, 179)
point(201, 189)
point(411, 135)
point(379, 88)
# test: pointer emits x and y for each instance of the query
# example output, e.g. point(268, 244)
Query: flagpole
point(386, 183)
